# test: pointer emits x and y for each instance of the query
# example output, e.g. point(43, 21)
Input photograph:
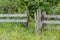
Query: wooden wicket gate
point(25, 20)
point(40, 20)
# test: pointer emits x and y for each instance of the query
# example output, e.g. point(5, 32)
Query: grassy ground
point(14, 31)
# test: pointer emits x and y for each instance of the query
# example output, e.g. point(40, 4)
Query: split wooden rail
point(25, 20)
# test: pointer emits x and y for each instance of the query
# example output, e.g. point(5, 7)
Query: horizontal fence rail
point(52, 16)
point(25, 20)
point(13, 15)
point(11, 20)
point(51, 22)
point(52, 27)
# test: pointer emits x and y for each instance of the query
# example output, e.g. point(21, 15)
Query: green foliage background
point(16, 31)
point(18, 6)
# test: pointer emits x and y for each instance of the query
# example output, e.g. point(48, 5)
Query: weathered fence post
point(40, 20)
point(39, 17)
point(26, 23)
point(43, 19)
point(35, 18)
point(37, 21)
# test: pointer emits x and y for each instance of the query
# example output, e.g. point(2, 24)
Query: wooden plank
point(26, 23)
point(13, 15)
point(52, 27)
point(23, 20)
point(52, 16)
point(51, 22)
point(35, 22)
point(43, 19)
point(35, 19)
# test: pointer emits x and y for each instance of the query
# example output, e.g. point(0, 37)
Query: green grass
point(14, 31)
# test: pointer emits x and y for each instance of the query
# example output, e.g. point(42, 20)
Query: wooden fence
point(25, 20)
point(40, 20)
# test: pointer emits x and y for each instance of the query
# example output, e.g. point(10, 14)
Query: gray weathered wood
point(13, 15)
point(40, 23)
point(52, 27)
point(37, 21)
point(43, 19)
point(51, 22)
point(11, 20)
point(25, 15)
point(52, 16)
point(26, 23)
